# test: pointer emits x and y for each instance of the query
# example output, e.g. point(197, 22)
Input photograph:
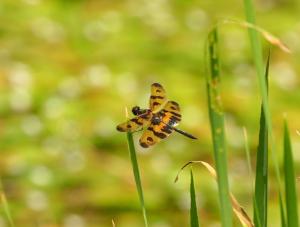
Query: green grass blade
point(193, 212)
point(6, 207)
point(261, 176)
point(261, 179)
point(216, 116)
point(282, 212)
point(289, 179)
point(247, 149)
point(136, 173)
point(257, 56)
point(258, 59)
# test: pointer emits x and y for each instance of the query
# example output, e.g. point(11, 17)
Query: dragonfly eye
point(136, 110)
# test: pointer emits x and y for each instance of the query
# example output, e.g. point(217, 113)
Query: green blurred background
point(69, 69)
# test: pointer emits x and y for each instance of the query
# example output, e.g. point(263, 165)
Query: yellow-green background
point(69, 68)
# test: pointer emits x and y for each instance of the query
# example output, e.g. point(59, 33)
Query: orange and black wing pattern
point(158, 97)
point(154, 134)
point(171, 113)
point(135, 123)
point(170, 117)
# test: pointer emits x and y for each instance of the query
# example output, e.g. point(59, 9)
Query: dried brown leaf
point(267, 35)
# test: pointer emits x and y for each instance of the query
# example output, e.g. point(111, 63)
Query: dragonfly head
point(136, 110)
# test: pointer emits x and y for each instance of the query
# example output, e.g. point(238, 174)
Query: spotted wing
point(171, 113)
point(170, 117)
point(135, 123)
point(154, 134)
point(158, 97)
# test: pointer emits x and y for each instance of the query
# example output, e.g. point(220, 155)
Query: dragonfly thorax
point(156, 119)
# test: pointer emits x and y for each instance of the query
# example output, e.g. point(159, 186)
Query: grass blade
point(6, 206)
point(258, 59)
point(236, 207)
point(261, 176)
point(257, 56)
point(261, 179)
point(193, 212)
point(216, 116)
point(247, 149)
point(270, 38)
point(136, 173)
point(289, 179)
point(282, 212)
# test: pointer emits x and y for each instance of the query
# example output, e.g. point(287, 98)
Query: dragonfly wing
point(158, 97)
point(154, 134)
point(171, 113)
point(135, 123)
point(170, 117)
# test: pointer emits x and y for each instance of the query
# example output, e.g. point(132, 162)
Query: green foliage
point(193, 212)
point(136, 172)
point(5, 207)
point(258, 60)
point(282, 212)
point(256, 47)
point(216, 117)
point(289, 179)
point(262, 170)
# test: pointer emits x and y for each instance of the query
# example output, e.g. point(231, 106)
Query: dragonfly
point(160, 119)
